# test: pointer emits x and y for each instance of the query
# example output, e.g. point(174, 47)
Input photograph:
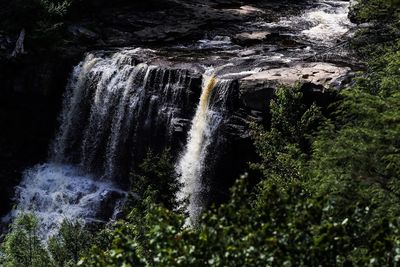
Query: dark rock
point(6, 42)
point(317, 73)
point(82, 33)
point(108, 204)
point(30, 100)
point(256, 96)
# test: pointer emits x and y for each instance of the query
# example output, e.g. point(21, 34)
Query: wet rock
point(238, 9)
point(166, 32)
point(19, 45)
point(250, 38)
point(180, 125)
point(109, 203)
point(119, 25)
point(250, 10)
point(247, 53)
point(3, 42)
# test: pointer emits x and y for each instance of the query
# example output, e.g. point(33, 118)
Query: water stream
point(206, 121)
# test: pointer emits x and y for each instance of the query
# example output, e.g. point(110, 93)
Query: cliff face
point(185, 35)
point(30, 95)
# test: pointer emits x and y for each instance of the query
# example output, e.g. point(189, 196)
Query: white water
point(218, 42)
point(190, 166)
point(203, 132)
point(56, 192)
point(328, 23)
point(325, 24)
point(110, 102)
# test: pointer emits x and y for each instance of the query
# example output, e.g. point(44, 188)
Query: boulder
point(250, 38)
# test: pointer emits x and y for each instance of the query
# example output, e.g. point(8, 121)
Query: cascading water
point(114, 110)
point(207, 120)
point(55, 192)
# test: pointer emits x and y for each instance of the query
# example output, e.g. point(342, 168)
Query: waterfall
point(114, 109)
point(205, 123)
point(120, 104)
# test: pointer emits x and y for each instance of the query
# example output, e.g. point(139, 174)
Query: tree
point(356, 156)
point(285, 146)
point(70, 244)
point(22, 246)
point(157, 174)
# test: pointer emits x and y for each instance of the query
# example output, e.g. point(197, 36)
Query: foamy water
point(325, 24)
point(55, 192)
point(202, 142)
point(191, 165)
point(330, 22)
point(104, 108)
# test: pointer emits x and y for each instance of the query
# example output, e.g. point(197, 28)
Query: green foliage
point(56, 8)
point(43, 20)
point(285, 146)
point(379, 11)
point(22, 246)
point(157, 174)
point(366, 147)
point(382, 28)
point(70, 244)
point(356, 156)
point(328, 193)
point(30, 14)
point(275, 228)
